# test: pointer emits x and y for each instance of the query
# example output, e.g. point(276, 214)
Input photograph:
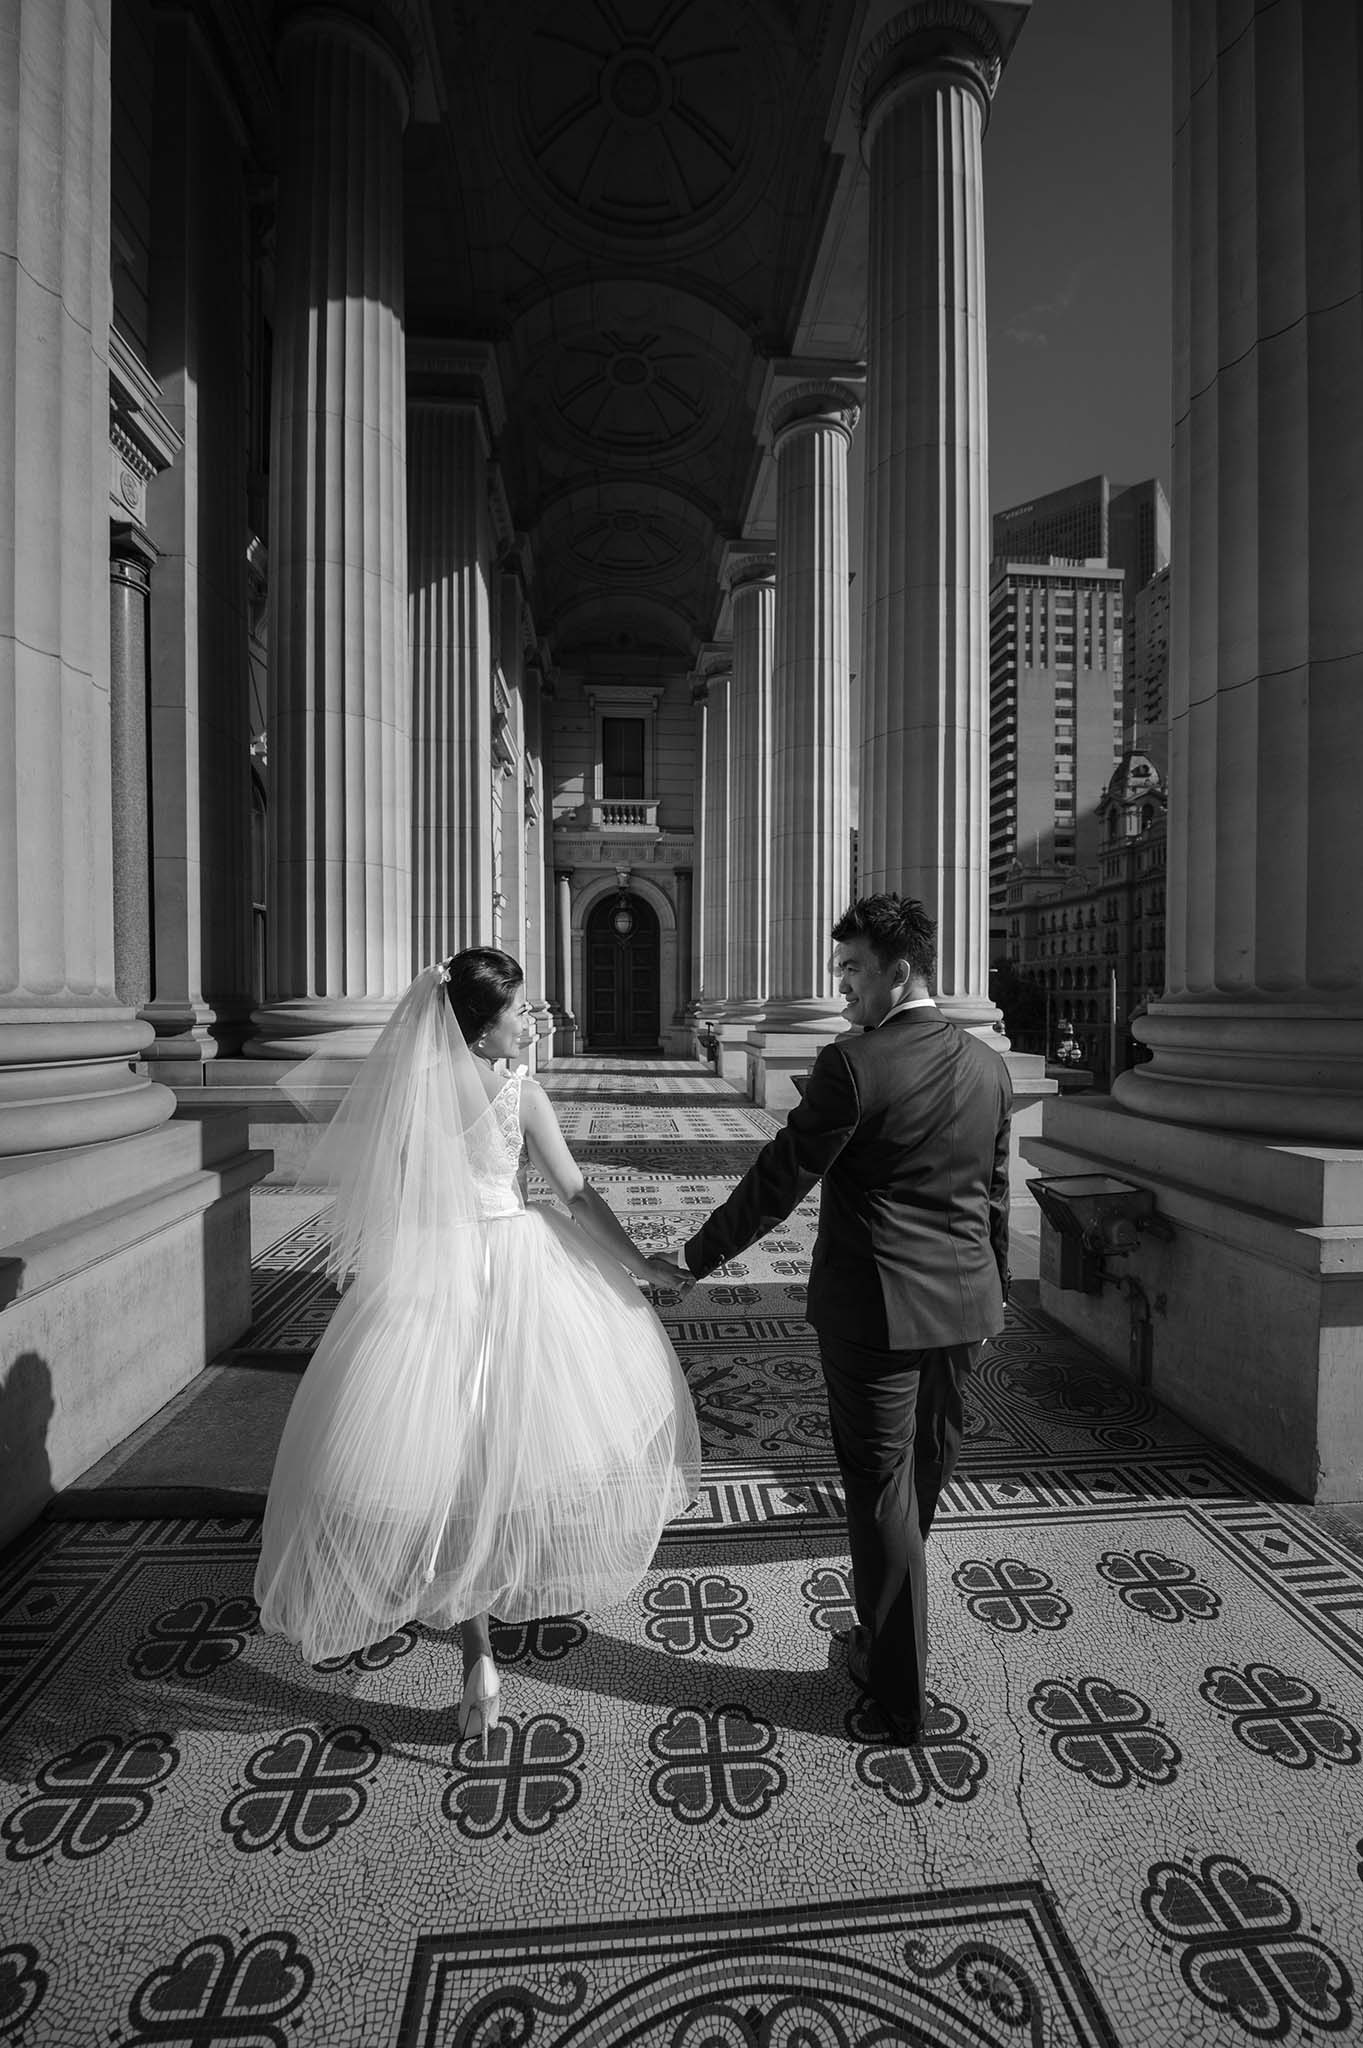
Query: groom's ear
point(903, 973)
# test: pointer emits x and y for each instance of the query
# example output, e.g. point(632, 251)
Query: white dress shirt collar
point(909, 1003)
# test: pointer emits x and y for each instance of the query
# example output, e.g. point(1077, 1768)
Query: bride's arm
point(549, 1150)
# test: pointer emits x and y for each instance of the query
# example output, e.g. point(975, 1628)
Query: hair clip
point(442, 970)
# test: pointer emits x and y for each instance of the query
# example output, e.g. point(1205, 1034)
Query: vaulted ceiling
point(630, 199)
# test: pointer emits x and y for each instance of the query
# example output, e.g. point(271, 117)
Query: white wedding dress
point(517, 1459)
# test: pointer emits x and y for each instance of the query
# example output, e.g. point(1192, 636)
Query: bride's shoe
point(478, 1708)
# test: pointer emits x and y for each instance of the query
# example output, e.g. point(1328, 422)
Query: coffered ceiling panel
point(626, 197)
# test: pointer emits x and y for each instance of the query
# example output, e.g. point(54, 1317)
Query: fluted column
point(753, 584)
point(1261, 1024)
point(685, 947)
point(812, 427)
point(129, 587)
point(563, 936)
point(716, 828)
point(452, 876)
point(66, 1039)
point(924, 88)
point(340, 707)
point(198, 518)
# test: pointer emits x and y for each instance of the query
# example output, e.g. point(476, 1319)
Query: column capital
point(934, 42)
point(564, 874)
point(819, 403)
point(748, 572)
point(382, 32)
point(462, 374)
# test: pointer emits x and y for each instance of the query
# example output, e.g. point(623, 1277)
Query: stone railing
point(619, 814)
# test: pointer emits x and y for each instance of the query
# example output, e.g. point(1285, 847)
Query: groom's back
point(913, 1216)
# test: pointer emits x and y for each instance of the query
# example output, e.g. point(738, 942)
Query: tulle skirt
point(431, 1470)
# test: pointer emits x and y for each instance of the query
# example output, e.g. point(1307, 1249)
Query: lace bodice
point(494, 1143)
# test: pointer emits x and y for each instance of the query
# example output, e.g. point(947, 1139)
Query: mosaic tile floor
point(1136, 1816)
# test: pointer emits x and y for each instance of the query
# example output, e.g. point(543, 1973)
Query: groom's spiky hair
point(897, 928)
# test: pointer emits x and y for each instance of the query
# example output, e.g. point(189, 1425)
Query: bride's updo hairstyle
point(482, 982)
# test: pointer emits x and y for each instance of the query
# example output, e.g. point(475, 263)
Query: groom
point(905, 1121)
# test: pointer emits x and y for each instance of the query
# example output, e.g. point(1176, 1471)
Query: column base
point(125, 1269)
point(70, 1080)
point(302, 1025)
point(731, 1035)
point(1290, 1070)
point(1256, 1300)
point(779, 1056)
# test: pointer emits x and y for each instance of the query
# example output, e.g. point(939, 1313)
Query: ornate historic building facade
point(425, 452)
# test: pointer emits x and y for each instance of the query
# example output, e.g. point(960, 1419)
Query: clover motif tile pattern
point(688, 1616)
point(379, 1656)
point(547, 1641)
point(89, 1797)
point(302, 1789)
point(1104, 1732)
point(1280, 1717)
point(1163, 1588)
point(214, 1993)
point(523, 1783)
point(713, 1763)
point(195, 1638)
point(1243, 1950)
point(1010, 1595)
point(828, 1595)
point(945, 1764)
point(23, 1986)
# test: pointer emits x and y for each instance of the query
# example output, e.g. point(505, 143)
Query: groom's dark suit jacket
point(907, 1127)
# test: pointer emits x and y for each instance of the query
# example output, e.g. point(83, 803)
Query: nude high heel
point(479, 1706)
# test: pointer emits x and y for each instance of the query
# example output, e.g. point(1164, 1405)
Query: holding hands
point(669, 1274)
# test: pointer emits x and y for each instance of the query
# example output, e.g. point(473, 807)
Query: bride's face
point(509, 1031)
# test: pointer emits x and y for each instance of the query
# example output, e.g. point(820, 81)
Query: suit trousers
point(897, 1419)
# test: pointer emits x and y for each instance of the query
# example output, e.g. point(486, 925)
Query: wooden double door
point(622, 975)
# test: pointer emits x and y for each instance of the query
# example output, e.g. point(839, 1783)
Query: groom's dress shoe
point(901, 1731)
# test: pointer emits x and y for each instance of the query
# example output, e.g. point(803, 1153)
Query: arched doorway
point(621, 948)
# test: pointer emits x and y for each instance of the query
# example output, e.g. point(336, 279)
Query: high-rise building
point(1147, 671)
point(1055, 712)
point(1124, 525)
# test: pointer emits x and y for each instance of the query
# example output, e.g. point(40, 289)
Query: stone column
point(716, 827)
point(1246, 1127)
point(452, 678)
point(753, 583)
point(340, 711)
point(811, 427)
point(923, 88)
point(565, 1035)
point(536, 916)
point(129, 587)
point(197, 515)
point(1261, 1024)
point(67, 1041)
point(685, 947)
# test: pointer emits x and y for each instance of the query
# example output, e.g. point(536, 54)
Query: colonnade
point(920, 95)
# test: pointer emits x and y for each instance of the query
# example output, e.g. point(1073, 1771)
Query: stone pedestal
point(923, 90)
point(124, 1269)
point(1248, 1120)
point(1256, 1300)
point(811, 427)
point(340, 713)
point(452, 769)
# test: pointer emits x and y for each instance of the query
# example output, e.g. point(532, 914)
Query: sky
point(1077, 249)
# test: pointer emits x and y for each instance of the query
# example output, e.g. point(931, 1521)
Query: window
point(622, 757)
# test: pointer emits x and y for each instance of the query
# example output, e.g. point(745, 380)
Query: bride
point(494, 1422)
